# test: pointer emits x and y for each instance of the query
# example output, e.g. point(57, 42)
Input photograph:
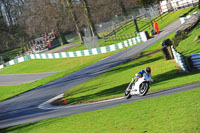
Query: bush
point(180, 35)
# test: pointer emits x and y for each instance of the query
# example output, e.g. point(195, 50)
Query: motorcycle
point(140, 88)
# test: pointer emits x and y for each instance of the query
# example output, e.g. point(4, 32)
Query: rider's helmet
point(148, 69)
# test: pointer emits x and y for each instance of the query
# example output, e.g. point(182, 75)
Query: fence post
point(135, 24)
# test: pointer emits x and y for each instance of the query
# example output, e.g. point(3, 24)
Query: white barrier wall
point(184, 19)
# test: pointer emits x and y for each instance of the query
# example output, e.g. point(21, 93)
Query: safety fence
point(180, 59)
point(184, 19)
point(120, 37)
point(141, 37)
point(195, 58)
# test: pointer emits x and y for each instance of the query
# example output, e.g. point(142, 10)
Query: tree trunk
point(199, 4)
point(122, 7)
point(75, 20)
point(3, 25)
point(61, 34)
point(62, 37)
point(89, 17)
point(8, 14)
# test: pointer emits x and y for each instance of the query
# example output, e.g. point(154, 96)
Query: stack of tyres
point(165, 48)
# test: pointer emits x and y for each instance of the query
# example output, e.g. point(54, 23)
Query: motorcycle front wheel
point(144, 87)
point(127, 91)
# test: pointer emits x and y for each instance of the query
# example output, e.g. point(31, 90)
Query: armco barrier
point(1, 66)
point(180, 60)
point(141, 37)
point(18, 60)
point(196, 60)
point(184, 19)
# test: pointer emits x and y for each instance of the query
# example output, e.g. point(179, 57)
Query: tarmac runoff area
point(17, 79)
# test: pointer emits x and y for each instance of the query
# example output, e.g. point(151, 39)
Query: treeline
point(23, 20)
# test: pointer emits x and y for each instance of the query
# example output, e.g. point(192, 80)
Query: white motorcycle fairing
point(136, 87)
point(140, 88)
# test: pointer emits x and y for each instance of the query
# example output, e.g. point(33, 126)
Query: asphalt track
point(24, 108)
point(16, 79)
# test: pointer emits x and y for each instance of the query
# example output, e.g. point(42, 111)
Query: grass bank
point(166, 74)
point(52, 65)
point(174, 113)
point(189, 44)
point(67, 66)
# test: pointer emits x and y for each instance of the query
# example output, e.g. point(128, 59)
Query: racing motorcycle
point(140, 88)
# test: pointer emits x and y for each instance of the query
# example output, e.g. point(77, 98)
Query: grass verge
point(190, 45)
point(174, 113)
point(52, 65)
point(113, 83)
point(68, 66)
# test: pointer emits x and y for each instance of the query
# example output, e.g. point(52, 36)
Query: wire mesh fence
point(91, 42)
point(109, 29)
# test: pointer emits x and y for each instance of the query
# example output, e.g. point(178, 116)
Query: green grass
point(76, 48)
point(74, 42)
point(113, 83)
point(189, 45)
point(52, 65)
point(67, 66)
point(175, 113)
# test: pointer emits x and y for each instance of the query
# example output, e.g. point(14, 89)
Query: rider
point(146, 72)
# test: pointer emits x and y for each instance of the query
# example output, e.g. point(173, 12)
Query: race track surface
point(24, 108)
point(17, 79)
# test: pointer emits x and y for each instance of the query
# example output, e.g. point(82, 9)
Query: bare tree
point(74, 18)
point(88, 17)
point(122, 7)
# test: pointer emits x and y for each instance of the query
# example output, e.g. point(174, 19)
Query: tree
point(57, 18)
point(74, 18)
point(3, 26)
point(88, 17)
point(146, 3)
point(12, 34)
point(122, 7)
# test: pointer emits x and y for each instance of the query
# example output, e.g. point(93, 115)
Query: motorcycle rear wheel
point(144, 87)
